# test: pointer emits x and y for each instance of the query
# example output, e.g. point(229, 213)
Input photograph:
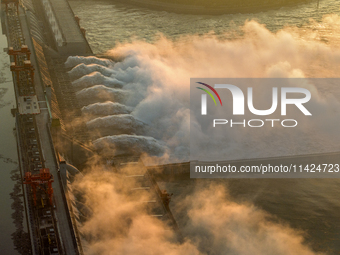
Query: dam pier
point(47, 216)
point(41, 35)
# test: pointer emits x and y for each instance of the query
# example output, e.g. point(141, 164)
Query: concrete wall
point(58, 36)
point(75, 152)
point(73, 48)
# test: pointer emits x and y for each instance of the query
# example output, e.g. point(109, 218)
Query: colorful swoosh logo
point(212, 89)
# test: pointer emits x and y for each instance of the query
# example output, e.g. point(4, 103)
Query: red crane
point(8, 2)
point(23, 51)
point(44, 177)
point(28, 67)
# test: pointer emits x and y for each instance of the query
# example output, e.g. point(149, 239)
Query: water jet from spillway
point(96, 78)
point(76, 60)
point(106, 108)
point(82, 69)
point(101, 93)
point(119, 145)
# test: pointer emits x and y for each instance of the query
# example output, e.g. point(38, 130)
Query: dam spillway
point(47, 107)
point(58, 127)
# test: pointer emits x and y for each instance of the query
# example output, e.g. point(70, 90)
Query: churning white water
point(154, 79)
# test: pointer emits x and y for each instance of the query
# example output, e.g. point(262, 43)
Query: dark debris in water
point(6, 159)
point(3, 91)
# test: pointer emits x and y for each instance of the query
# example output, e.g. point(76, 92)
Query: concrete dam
point(71, 112)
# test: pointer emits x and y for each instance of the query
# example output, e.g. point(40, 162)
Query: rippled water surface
point(108, 23)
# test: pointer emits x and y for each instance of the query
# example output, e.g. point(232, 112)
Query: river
point(310, 206)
